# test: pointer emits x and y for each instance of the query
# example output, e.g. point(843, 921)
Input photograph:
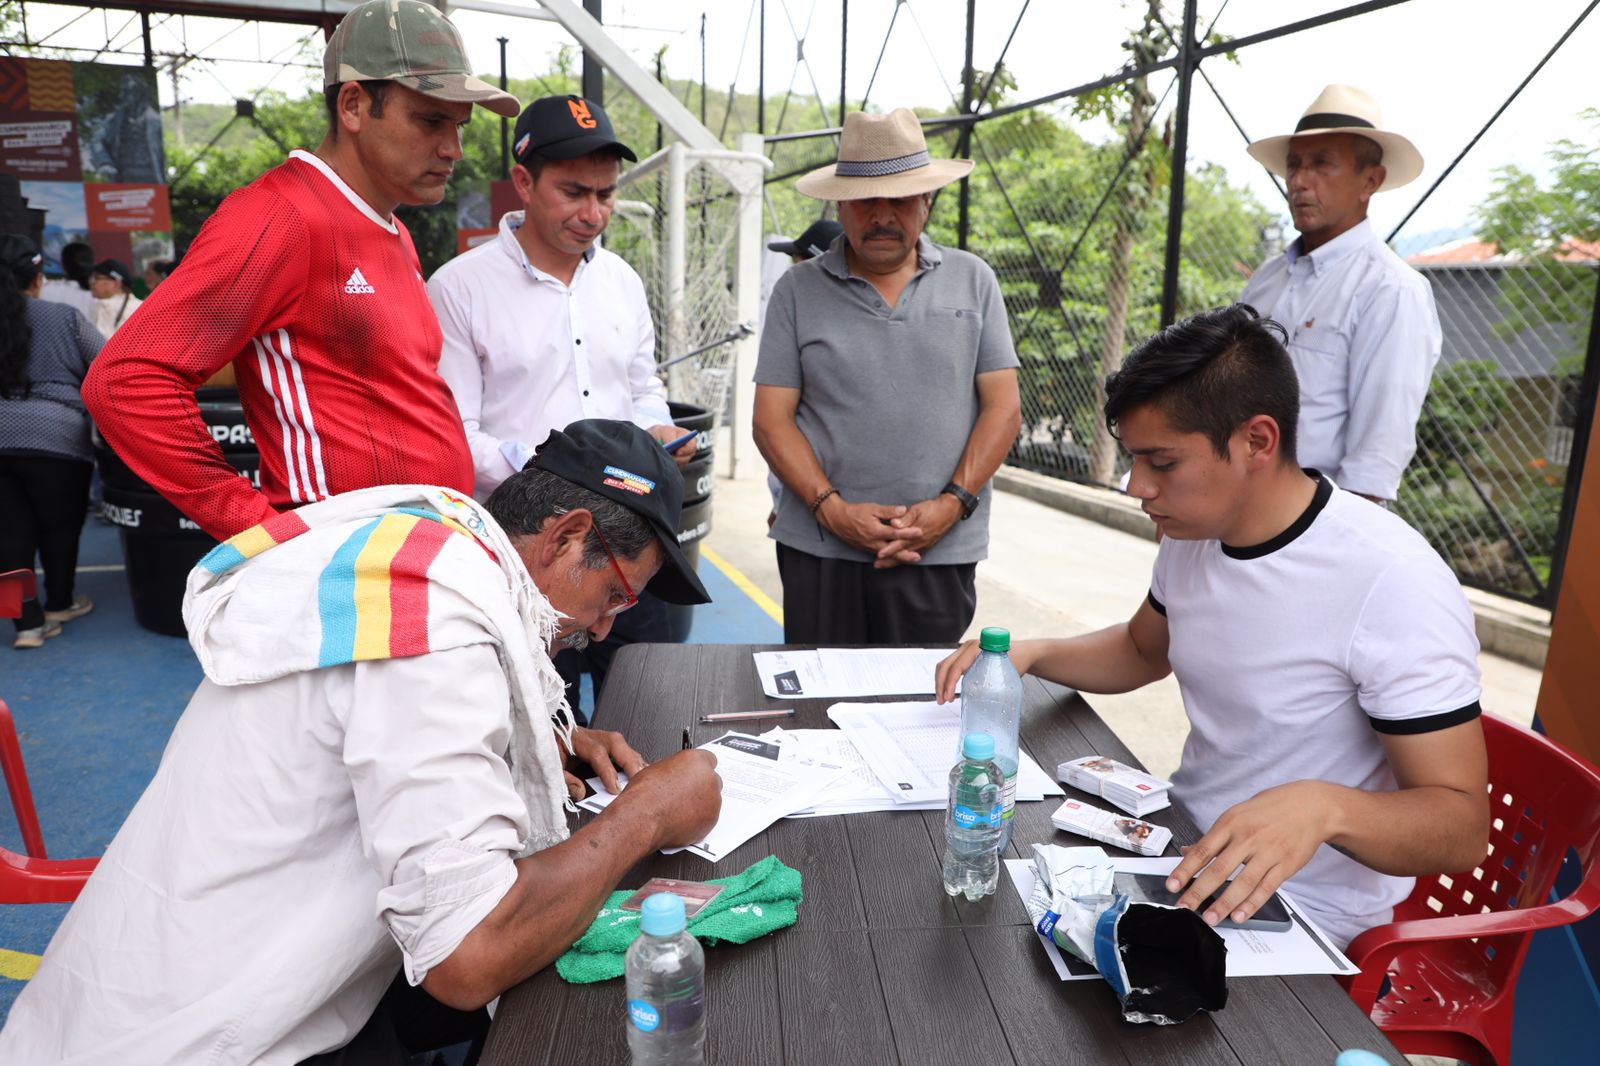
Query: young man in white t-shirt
point(1326, 654)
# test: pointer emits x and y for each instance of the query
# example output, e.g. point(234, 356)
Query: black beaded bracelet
point(821, 498)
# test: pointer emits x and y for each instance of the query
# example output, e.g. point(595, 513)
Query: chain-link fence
point(1070, 203)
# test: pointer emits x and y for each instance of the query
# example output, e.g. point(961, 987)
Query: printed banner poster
point(82, 159)
point(128, 207)
point(38, 120)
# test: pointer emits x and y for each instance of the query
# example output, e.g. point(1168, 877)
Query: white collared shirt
point(1364, 337)
point(526, 354)
point(304, 840)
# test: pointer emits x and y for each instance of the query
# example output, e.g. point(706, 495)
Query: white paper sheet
point(828, 672)
point(911, 747)
point(1251, 952)
point(757, 790)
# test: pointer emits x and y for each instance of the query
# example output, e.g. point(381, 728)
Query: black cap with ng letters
point(564, 127)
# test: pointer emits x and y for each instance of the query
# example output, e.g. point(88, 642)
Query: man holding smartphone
point(1326, 654)
point(543, 327)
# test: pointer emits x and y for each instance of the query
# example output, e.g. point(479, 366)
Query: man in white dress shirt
point(1363, 329)
point(543, 327)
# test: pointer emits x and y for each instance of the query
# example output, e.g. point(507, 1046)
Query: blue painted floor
point(94, 708)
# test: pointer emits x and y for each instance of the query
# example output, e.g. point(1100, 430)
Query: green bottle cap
point(995, 639)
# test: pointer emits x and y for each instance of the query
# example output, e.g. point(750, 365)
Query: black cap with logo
point(564, 127)
point(625, 464)
point(813, 242)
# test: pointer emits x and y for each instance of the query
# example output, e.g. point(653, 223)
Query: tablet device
point(1272, 917)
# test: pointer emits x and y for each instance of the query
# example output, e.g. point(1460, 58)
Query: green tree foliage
point(1554, 226)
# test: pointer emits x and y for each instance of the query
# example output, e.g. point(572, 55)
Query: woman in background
point(45, 459)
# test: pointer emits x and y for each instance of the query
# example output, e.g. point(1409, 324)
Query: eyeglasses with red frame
point(633, 597)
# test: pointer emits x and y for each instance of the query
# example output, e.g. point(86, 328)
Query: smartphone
point(1272, 917)
point(674, 445)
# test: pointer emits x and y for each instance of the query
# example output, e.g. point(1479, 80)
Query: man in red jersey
point(309, 285)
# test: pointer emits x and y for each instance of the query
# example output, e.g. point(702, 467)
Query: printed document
point(911, 747)
point(1251, 952)
point(757, 790)
point(828, 672)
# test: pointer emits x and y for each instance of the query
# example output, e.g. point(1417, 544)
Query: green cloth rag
point(759, 901)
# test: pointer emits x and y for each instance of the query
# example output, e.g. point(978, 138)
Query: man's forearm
point(789, 454)
point(1107, 661)
point(1412, 831)
point(987, 446)
point(556, 895)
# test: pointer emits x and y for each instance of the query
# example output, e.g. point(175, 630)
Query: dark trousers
point(643, 623)
point(839, 601)
point(407, 1022)
point(42, 506)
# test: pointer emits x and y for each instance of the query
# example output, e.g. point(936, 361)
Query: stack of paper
point(758, 788)
point(1118, 830)
point(847, 672)
point(1132, 790)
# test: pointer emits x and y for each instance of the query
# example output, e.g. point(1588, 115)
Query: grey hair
point(529, 498)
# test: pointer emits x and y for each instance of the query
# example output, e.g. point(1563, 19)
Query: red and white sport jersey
point(319, 303)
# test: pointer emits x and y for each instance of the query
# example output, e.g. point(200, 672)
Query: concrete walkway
point(1050, 573)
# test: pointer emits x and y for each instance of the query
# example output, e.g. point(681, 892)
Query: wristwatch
point(969, 502)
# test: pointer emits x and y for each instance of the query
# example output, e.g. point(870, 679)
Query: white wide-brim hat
point(1345, 109)
point(882, 155)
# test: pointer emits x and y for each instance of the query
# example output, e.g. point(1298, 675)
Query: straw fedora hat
point(1345, 109)
point(882, 155)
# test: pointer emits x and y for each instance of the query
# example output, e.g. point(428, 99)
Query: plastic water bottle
point(666, 977)
point(972, 820)
point(991, 702)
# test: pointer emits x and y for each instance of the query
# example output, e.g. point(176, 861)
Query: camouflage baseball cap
point(410, 43)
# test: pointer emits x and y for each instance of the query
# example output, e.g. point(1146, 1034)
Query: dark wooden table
point(882, 966)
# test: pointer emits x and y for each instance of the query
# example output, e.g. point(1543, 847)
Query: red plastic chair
point(31, 878)
point(1453, 953)
point(25, 880)
point(15, 587)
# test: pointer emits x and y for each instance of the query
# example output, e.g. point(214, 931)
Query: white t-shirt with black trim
point(1294, 655)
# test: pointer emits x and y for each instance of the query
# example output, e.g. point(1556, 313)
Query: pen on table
point(686, 744)
point(734, 716)
point(674, 445)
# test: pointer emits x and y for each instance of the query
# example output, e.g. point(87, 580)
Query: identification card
point(695, 894)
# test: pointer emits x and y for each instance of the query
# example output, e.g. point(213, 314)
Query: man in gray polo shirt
point(886, 398)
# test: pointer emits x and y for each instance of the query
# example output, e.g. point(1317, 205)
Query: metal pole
point(144, 30)
point(505, 123)
point(660, 77)
point(594, 75)
point(702, 68)
point(964, 139)
point(1582, 426)
point(761, 72)
point(1187, 62)
point(844, 65)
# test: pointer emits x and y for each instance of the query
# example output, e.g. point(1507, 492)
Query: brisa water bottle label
point(644, 1016)
point(967, 818)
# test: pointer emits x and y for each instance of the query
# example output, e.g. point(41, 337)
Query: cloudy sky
point(1439, 67)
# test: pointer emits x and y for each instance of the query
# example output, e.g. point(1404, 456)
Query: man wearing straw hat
point(886, 398)
point(1363, 330)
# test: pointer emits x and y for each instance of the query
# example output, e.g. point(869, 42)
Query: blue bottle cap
point(978, 746)
point(1358, 1057)
point(661, 914)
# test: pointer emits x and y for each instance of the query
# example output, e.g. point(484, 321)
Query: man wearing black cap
point(358, 801)
point(543, 327)
point(307, 283)
point(810, 244)
point(114, 300)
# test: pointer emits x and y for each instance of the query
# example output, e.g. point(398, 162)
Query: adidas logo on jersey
point(357, 283)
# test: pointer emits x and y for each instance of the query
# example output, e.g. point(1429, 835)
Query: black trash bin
point(695, 521)
point(159, 545)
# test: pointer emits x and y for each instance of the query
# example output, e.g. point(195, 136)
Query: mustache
point(884, 231)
